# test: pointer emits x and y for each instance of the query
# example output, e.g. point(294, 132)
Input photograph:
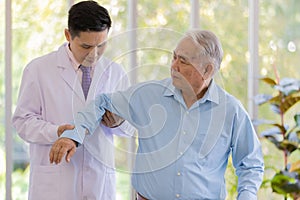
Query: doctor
point(52, 91)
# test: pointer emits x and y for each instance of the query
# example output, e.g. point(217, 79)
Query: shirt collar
point(74, 62)
point(210, 95)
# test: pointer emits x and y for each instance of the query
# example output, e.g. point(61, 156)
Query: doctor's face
point(87, 47)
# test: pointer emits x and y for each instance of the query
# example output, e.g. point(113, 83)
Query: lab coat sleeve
point(27, 118)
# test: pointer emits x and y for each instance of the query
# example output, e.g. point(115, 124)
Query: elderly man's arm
point(247, 159)
point(86, 121)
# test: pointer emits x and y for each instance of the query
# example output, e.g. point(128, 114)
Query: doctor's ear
point(68, 35)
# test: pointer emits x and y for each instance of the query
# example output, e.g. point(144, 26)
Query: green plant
point(286, 94)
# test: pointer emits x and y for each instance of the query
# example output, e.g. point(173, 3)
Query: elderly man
point(188, 127)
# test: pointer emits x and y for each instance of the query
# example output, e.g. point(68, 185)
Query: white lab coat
point(50, 94)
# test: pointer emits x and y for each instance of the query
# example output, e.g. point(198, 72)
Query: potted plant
point(286, 94)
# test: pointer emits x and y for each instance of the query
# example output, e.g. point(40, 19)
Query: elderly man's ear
point(208, 71)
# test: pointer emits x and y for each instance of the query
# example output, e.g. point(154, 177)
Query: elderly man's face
point(187, 69)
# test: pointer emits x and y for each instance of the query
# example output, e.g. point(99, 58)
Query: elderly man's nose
point(174, 65)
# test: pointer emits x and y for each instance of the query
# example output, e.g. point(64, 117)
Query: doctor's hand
point(62, 147)
point(111, 120)
point(64, 127)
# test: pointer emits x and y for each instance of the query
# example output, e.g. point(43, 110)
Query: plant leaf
point(276, 100)
point(262, 98)
point(297, 119)
point(295, 167)
point(282, 128)
point(275, 108)
point(285, 82)
point(293, 137)
point(289, 102)
point(272, 132)
point(269, 81)
point(290, 146)
point(257, 122)
point(285, 183)
point(274, 135)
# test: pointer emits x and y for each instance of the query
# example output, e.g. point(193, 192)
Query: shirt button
point(183, 132)
point(177, 195)
point(178, 174)
point(180, 153)
point(187, 112)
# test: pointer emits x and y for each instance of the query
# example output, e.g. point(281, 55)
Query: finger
point(62, 152)
point(104, 120)
point(108, 122)
point(67, 146)
point(51, 155)
point(109, 119)
point(62, 128)
point(110, 116)
point(56, 154)
point(54, 151)
point(70, 154)
point(68, 127)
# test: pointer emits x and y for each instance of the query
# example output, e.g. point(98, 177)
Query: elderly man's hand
point(111, 120)
point(63, 128)
point(62, 147)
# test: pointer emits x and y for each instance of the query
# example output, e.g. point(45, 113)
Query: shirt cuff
point(76, 134)
point(127, 129)
point(246, 195)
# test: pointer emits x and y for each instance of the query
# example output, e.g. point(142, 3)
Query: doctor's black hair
point(88, 16)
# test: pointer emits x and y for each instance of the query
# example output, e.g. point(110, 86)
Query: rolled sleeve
point(246, 195)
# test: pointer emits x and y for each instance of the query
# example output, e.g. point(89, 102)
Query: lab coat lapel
point(71, 78)
point(68, 73)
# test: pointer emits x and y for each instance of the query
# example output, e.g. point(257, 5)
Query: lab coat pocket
point(52, 182)
point(44, 183)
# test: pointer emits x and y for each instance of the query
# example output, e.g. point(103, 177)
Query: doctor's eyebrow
point(101, 44)
point(87, 46)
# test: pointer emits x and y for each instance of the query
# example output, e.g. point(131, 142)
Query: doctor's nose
point(93, 52)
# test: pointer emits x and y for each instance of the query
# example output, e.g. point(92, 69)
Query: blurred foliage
point(285, 136)
point(38, 28)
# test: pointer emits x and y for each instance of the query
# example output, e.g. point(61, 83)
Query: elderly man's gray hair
point(210, 44)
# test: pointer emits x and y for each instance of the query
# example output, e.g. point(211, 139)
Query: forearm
point(249, 182)
point(248, 160)
point(246, 195)
point(87, 120)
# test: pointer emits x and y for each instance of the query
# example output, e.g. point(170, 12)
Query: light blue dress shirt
point(183, 152)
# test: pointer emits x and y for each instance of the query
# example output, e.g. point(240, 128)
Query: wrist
point(119, 124)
